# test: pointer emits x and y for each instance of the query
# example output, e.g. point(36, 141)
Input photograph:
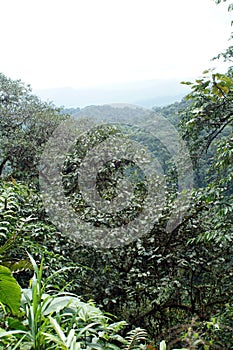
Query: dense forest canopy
point(167, 284)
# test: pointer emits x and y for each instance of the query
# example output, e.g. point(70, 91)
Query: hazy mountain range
point(143, 93)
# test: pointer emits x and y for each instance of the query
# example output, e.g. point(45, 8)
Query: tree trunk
point(3, 164)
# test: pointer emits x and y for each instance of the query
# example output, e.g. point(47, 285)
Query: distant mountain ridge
point(143, 93)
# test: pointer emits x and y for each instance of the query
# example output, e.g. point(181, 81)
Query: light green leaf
point(10, 292)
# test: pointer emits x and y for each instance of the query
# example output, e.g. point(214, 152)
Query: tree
point(26, 124)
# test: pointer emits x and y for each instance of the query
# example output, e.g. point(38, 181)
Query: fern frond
point(134, 338)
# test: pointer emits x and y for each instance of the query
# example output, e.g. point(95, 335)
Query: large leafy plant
point(61, 320)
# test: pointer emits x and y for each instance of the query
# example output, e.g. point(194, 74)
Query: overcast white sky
point(76, 43)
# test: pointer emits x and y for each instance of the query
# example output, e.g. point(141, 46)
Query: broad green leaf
point(10, 292)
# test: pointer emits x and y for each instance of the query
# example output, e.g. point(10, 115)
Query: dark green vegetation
point(177, 286)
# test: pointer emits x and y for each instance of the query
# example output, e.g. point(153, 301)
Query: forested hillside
point(172, 279)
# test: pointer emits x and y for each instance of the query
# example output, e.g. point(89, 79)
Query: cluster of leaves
point(50, 320)
point(25, 227)
point(25, 125)
point(107, 180)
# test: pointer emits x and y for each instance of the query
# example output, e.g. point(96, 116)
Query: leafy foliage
point(176, 285)
point(62, 321)
point(25, 125)
point(25, 228)
point(10, 293)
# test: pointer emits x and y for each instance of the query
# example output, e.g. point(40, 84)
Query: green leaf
point(14, 323)
point(17, 266)
point(10, 292)
point(186, 83)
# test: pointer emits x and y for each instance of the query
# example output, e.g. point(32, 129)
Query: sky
point(87, 43)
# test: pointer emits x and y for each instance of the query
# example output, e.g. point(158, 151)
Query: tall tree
point(26, 123)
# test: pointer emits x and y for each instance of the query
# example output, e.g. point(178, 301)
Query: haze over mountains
point(143, 93)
